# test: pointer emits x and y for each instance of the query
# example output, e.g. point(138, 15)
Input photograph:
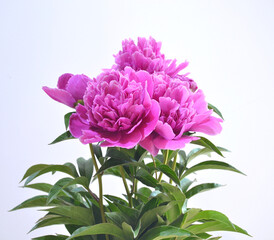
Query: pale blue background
point(230, 48)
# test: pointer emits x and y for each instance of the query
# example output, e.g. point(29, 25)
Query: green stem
point(99, 176)
point(153, 159)
point(165, 163)
point(122, 171)
point(173, 166)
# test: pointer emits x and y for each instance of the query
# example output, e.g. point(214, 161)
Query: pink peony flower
point(146, 56)
point(181, 111)
point(118, 109)
point(70, 89)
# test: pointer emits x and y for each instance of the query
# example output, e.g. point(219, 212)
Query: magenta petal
point(60, 95)
point(63, 80)
point(212, 126)
point(90, 136)
point(162, 143)
point(77, 86)
point(76, 125)
point(147, 144)
point(146, 77)
point(150, 121)
point(164, 130)
point(129, 140)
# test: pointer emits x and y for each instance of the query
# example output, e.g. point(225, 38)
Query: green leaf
point(206, 143)
point(211, 165)
point(128, 231)
point(103, 228)
point(52, 219)
point(143, 176)
point(65, 136)
point(82, 215)
point(57, 188)
point(66, 119)
point(39, 169)
point(201, 188)
point(51, 237)
point(216, 110)
point(185, 184)
point(85, 168)
point(169, 172)
point(204, 151)
point(164, 232)
point(44, 187)
point(37, 201)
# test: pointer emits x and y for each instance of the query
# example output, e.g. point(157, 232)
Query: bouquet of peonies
point(144, 112)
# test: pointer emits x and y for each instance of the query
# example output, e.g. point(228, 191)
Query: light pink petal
point(143, 77)
point(211, 127)
point(76, 126)
point(164, 130)
point(163, 143)
point(63, 80)
point(60, 95)
point(149, 122)
point(90, 136)
point(148, 144)
point(77, 86)
point(199, 102)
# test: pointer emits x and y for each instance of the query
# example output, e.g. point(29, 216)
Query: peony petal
point(60, 95)
point(143, 77)
point(90, 136)
point(148, 144)
point(77, 86)
point(164, 130)
point(211, 127)
point(150, 121)
point(63, 80)
point(163, 143)
point(76, 126)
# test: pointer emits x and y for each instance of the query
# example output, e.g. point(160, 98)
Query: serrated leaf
point(102, 228)
point(201, 188)
point(211, 165)
point(64, 136)
point(216, 110)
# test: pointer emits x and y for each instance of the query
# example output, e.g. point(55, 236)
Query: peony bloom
point(146, 56)
point(70, 89)
point(181, 111)
point(118, 109)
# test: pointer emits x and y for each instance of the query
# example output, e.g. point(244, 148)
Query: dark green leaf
point(45, 187)
point(206, 143)
point(169, 172)
point(211, 165)
point(201, 188)
point(51, 237)
point(66, 119)
point(85, 168)
point(57, 188)
point(216, 110)
point(164, 232)
point(143, 176)
point(65, 136)
point(103, 228)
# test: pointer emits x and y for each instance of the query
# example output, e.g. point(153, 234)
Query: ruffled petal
point(211, 127)
point(148, 144)
point(60, 95)
point(163, 143)
point(164, 130)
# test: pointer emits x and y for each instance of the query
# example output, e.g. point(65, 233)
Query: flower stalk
point(122, 171)
point(165, 163)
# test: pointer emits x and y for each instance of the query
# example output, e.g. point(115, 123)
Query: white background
point(229, 45)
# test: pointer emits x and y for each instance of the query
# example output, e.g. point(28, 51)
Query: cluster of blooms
point(142, 100)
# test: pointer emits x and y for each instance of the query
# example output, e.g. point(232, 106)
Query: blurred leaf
point(37, 201)
point(103, 228)
point(144, 176)
point(45, 187)
point(169, 172)
point(66, 119)
point(204, 151)
point(65, 136)
point(164, 232)
point(206, 143)
point(185, 184)
point(201, 188)
point(51, 237)
point(216, 110)
point(85, 168)
point(211, 165)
